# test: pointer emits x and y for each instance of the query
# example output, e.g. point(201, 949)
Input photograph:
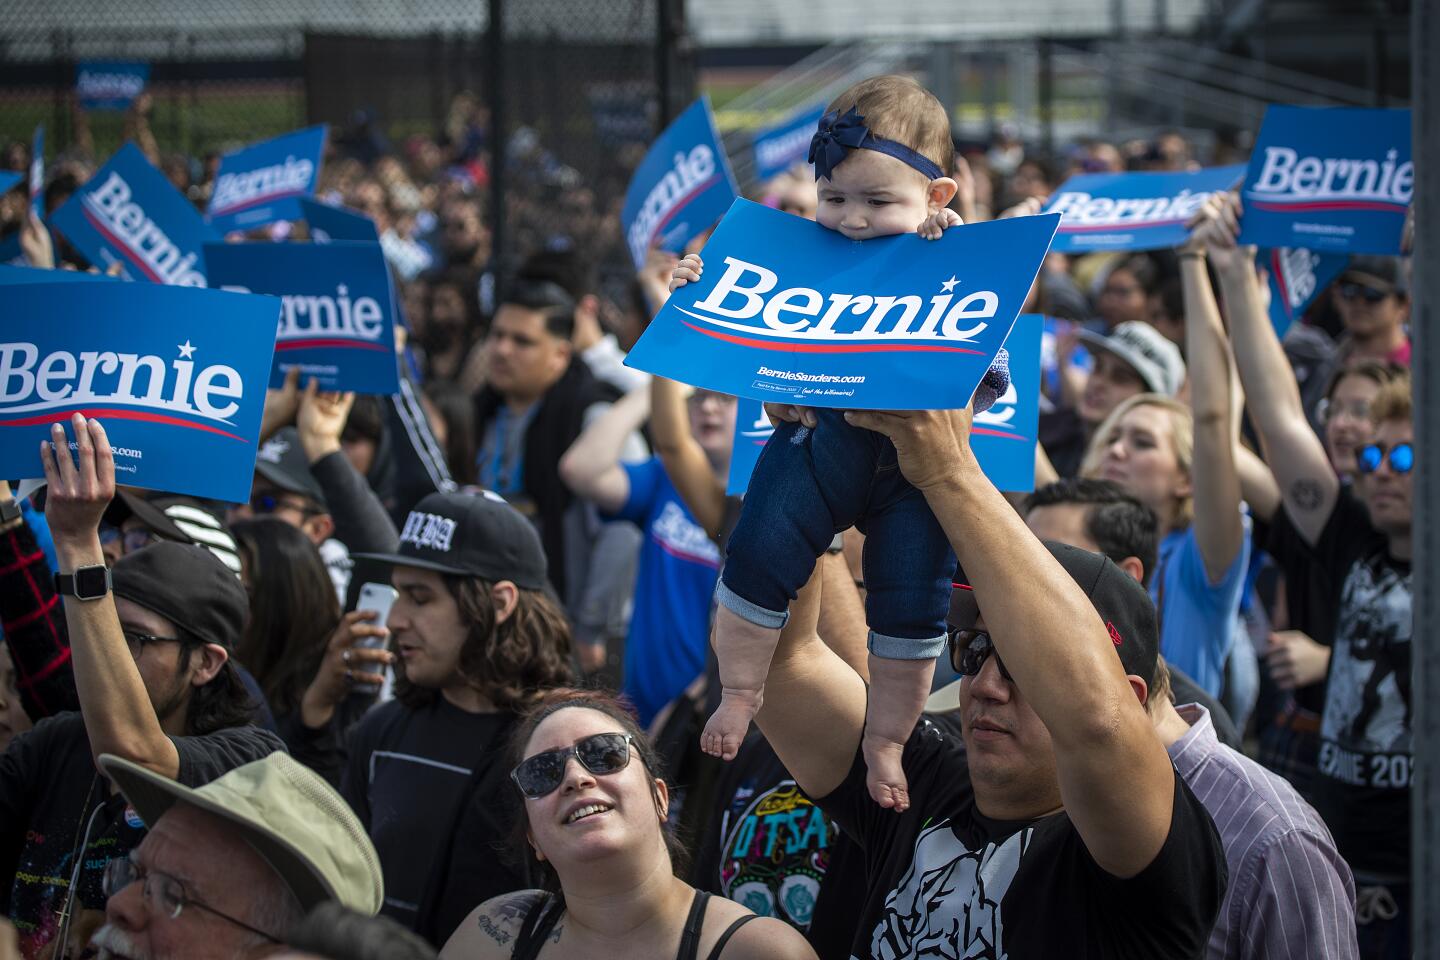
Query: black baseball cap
point(470, 535)
point(282, 461)
point(1123, 604)
point(188, 585)
point(1382, 273)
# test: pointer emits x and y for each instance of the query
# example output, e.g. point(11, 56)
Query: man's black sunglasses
point(1351, 291)
point(969, 649)
point(602, 754)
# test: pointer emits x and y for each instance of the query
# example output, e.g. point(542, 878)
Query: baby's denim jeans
point(808, 486)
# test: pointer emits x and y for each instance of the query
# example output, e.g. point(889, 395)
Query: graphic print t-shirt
point(947, 883)
point(679, 564)
point(1363, 790)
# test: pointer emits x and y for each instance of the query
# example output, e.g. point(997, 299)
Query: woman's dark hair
point(612, 706)
point(220, 704)
point(1144, 269)
point(293, 609)
point(512, 663)
point(456, 407)
point(339, 933)
point(366, 422)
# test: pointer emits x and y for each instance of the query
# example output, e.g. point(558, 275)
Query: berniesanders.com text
point(806, 377)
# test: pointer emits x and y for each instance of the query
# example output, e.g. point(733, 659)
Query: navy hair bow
point(834, 136)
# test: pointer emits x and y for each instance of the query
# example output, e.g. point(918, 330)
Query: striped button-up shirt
point(1291, 894)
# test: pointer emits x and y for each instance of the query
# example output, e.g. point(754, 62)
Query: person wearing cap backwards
point(1131, 359)
point(150, 644)
point(230, 869)
point(1061, 829)
point(479, 637)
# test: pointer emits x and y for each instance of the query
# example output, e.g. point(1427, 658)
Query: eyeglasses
point(166, 894)
point(137, 641)
point(1328, 410)
point(969, 649)
point(1370, 456)
point(1353, 291)
point(129, 540)
point(601, 754)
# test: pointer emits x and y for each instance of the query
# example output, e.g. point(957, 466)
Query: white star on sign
point(948, 285)
point(186, 350)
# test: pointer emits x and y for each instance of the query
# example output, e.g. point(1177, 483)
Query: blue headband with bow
point(837, 134)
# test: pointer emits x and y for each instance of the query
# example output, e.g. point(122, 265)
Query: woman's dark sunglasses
point(1370, 456)
point(969, 649)
point(601, 754)
point(1351, 291)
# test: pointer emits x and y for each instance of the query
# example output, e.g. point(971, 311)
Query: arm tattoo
point(487, 926)
point(1305, 494)
point(498, 922)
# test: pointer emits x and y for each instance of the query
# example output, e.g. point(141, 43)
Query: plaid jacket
point(33, 620)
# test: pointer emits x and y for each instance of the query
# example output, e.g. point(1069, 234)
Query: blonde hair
point(1160, 688)
point(1182, 439)
point(1393, 402)
point(897, 108)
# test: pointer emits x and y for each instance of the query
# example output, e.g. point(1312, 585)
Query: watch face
point(92, 582)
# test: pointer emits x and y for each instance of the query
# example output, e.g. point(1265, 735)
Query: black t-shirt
point(769, 848)
point(49, 789)
point(947, 882)
point(1363, 787)
point(1062, 433)
point(1310, 591)
point(432, 788)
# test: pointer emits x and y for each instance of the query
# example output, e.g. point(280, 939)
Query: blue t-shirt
point(1197, 618)
point(670, 624)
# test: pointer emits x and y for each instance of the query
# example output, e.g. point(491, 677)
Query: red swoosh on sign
point(832, 347)
point(332, 342)
point(120, 245)
point(93, 413)
point(1319, 205)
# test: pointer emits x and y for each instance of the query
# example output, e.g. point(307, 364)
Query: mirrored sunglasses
point(1370, 456)
point(969, 649)
point(602, 754)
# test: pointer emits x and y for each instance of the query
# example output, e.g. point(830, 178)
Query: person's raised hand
point(281, 405)
point(80, 488)
point(35, 242)
point(321, 420)
point(1294, 660)
point(341, 669)
point(1214, 230)
point(933, 227)
point(655, 278)
point(1028, 207)
point(933, 445)
point(686, 270)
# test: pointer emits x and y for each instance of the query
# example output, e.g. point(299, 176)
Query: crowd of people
point(1170, 714)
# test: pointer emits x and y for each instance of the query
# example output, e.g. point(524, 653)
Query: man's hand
point(933, 445)
point(1028, 207)
point(1214, 231)
point(788, 413)
point(321, 421)
point(933, 226)
point(79, 491)
point(686, 270)
point(1294, 660)
point(280, 405)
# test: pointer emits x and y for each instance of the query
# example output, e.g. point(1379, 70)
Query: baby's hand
point(688, 269)
point(933, 226)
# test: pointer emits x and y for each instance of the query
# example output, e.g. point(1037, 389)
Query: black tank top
point(548, 912)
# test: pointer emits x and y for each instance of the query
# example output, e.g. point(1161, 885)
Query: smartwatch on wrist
point(86, 583)
point(10, 511)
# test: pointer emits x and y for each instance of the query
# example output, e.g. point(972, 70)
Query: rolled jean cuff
point(751, 612)
point(905, 648)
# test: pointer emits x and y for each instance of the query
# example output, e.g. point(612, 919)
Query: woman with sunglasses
point(593, 823)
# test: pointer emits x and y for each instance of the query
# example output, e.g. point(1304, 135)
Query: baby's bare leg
point(898, 689)
point(744, 650)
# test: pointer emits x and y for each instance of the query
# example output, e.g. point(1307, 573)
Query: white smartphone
point(379, 597)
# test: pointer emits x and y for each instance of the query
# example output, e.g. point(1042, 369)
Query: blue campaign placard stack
point(329, 223)
point(129, 214)
point(1329, 179)
point(264, 182)
point(681, 188)
point(1296, 277)
point(1004, 436)
point(109, 85)
point(790, 312)
point(337, 322)
point(1133, 211)
point(781, 146)
point(177, 377)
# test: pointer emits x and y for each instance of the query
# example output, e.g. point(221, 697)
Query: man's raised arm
point(814, 710)
point(1115, 778)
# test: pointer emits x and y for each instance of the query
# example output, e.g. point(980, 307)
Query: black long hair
point(293, 609)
